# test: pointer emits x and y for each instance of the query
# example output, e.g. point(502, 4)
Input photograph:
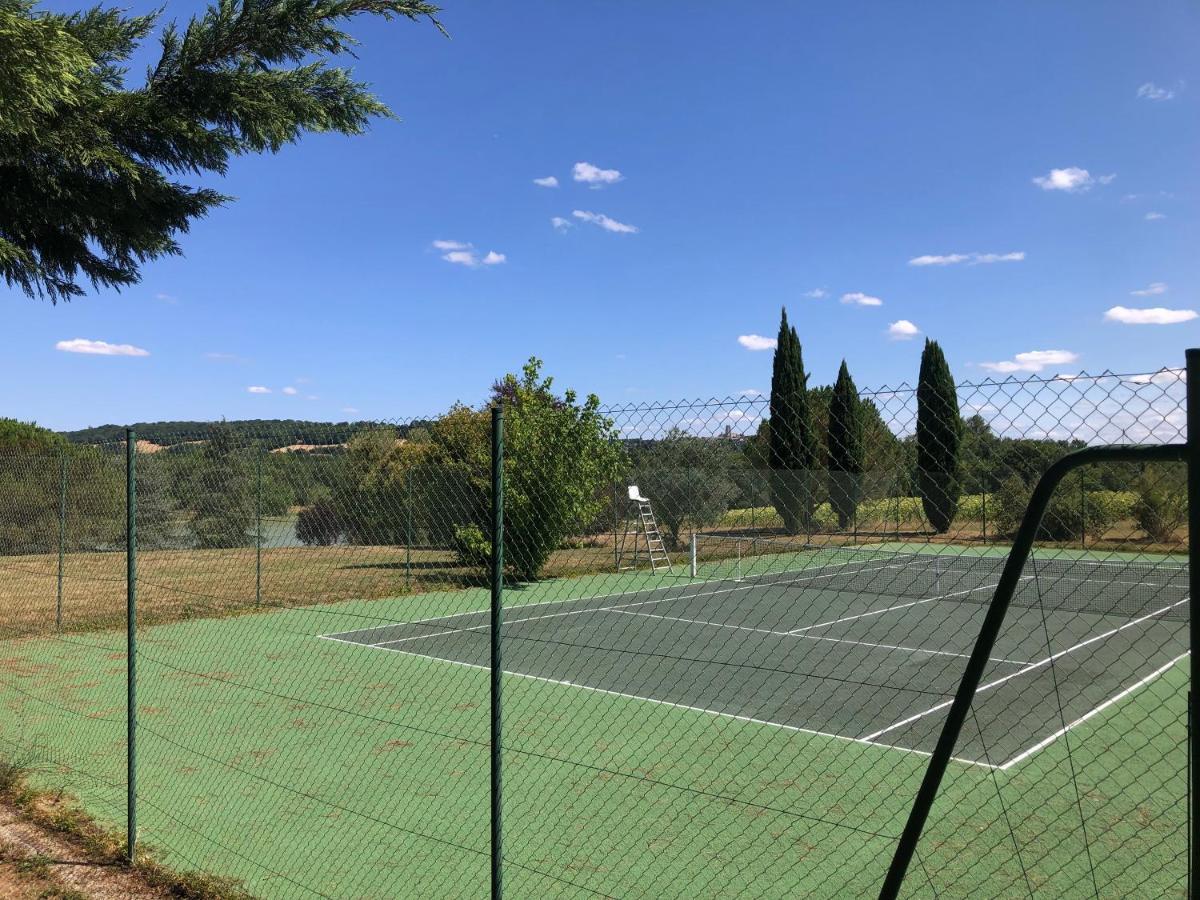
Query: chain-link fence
point(721, 676)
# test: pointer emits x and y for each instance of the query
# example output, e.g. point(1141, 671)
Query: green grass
point(270, 756)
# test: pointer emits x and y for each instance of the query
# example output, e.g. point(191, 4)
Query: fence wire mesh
point(721, 677)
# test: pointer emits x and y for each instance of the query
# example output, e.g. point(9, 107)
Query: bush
point(1160, 505)
point(318, 525)
point(1071, 514)
point(471, 547)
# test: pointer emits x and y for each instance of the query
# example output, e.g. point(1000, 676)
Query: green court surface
point(306, 766)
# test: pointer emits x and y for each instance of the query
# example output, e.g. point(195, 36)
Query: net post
point(497, 585)
point(692, 556)
point(130, 644)
point(62, 535)
point(1193, 492)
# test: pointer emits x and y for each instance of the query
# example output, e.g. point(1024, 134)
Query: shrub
point(1071, 514)
point(318, 524)
point(1160, 506)
point(471, 547)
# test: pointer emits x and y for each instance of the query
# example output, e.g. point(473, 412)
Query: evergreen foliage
point(939, 435)
point(89, 165)
point(793, 449)
point(845, 447)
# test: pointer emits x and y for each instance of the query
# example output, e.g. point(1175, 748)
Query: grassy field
point(307, 767)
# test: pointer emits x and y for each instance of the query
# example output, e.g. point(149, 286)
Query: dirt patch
point(36, 863)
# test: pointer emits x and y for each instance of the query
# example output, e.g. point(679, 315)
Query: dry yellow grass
point(176, 584)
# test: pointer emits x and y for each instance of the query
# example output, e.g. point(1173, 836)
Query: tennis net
point(1104, 586)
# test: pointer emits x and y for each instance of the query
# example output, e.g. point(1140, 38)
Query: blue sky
point(765, 154)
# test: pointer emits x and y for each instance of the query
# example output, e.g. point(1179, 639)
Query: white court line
point(484, 626)
point(813, 637)
point(1031, 667)
point(655, 700)
point(802, 579)
point(1047, 741)
point(877, 612)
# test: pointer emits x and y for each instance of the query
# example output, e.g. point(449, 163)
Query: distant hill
point(270, 433)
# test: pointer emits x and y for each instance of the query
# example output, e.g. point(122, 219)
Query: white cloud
point(312, 397)
point(461, 258)
point(756, 342)
point(951, 259)
point(928, 260)
point(750, 392)
point(166, 298)
point(1154, 216)
point(99, 348)
point(461, 254)
point(594, 175)
point(1151, 91)
point(903, 330)
point(604, 222)
point(1153, 289)
point(290, 391)
point(559, 223)
point(816, 293)
point(1032, 361)
point(1071, 179)
point(1107, 179)
point(860, 299)
point(258, 389)
point(1155, 315)
point(548, 181)
point(350, 409)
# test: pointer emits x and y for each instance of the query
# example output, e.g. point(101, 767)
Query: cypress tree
point(793, 447)
point(939, 434)
point(845, 448)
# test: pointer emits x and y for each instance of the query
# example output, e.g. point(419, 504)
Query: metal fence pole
point(130, 644)
point(497, 581)
point(1193, 470)
point(258, 528)
point(62, 535)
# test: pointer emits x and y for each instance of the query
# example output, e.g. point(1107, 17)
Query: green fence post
point(130, 644)
point(258, 533)
point(62, 535)
point(497, 580)
point(1193, 491)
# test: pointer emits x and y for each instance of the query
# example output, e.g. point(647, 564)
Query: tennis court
point(857, 645)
